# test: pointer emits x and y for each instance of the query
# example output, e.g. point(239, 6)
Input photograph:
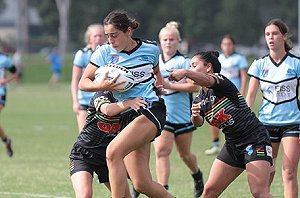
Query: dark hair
point(283, 28)
point(211, 57)
point(120, 20)
point(228, 36)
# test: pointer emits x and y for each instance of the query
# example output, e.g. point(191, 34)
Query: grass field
point(43, 128)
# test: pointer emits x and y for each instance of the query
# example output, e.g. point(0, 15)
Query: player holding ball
point(130, 150)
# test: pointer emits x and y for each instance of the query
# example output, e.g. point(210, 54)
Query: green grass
point(43, 128)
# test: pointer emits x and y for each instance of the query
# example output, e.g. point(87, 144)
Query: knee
point(140, 186)
point(259, 192)
point(162, 152)
point(84, 194)
point(210, 191)
point(289, 174)
point(112, 154)
point(186, 156)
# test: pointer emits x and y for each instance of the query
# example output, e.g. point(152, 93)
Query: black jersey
point(224, 107)
point(99, 128)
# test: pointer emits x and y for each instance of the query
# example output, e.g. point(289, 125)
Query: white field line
point(22, 194)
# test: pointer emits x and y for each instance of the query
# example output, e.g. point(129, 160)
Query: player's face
point(97, 37)
point(227, 46)
point(274, 38)
point(198, 65)
point(169, 42)
point(118, 39)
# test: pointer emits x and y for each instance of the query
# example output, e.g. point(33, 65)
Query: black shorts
point(82, 159)
point(83, 107)
point(240, 156)
point(278, 132)
point(155, 112)
point(179, 129)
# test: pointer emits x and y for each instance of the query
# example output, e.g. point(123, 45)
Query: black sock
point(197, 175)
point(166, 187)
point(4, 139)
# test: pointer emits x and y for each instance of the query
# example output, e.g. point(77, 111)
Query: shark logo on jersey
point(269, 90)
point(265, 72)
point(114, 59)
point(144, 58)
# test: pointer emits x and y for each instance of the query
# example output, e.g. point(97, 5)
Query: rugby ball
point(112, 71)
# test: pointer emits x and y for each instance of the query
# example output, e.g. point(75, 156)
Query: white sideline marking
point(32, 195)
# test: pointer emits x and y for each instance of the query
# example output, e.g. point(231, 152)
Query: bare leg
point(220, 176)
point(134, 136)
point(183, 145)
point(275, 148)
point(163, 147)
point(137, 164)
point(258, 178)
point(81, 116)
point(82, 184)
point(290, 161)
point(215, 148)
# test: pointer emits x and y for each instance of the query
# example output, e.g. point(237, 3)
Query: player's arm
point(243, 75)
point(196, 118)
point(112, 109)
point(158, 76)
point(76, 75)
point(12, 76)
point(198, 78)
point(187, 86)
point(252, 91)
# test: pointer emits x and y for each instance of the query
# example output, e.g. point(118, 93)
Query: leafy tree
point(240, 19)
point(2, 5)
point(204, 21)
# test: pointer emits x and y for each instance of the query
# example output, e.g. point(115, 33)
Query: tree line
point(202, 21)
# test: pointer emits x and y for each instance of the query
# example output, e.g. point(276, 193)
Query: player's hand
point(108, 84)
point(136, 103)
point(166, 83)
point(196, 109)
point(161, 90)
point(177, 74)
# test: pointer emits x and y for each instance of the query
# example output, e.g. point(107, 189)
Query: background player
point(178, 127)
point(6, 63)
point(54, 58)
point(278, 76)
point(93, 37)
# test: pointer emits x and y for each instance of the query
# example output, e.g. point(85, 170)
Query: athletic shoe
point(9, 150)
point(134, 193)
point(213, 150)
point(198, 187)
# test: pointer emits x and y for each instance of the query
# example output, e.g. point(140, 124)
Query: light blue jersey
point(231, 67)
point(178, 103)
point(140, 61)
point(6, 63)
point(82, 59)
point(279, 84)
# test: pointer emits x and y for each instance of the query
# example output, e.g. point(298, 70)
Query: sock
point(166, 187)
point(197, 175)
point(216, 142)
point(4, 139)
